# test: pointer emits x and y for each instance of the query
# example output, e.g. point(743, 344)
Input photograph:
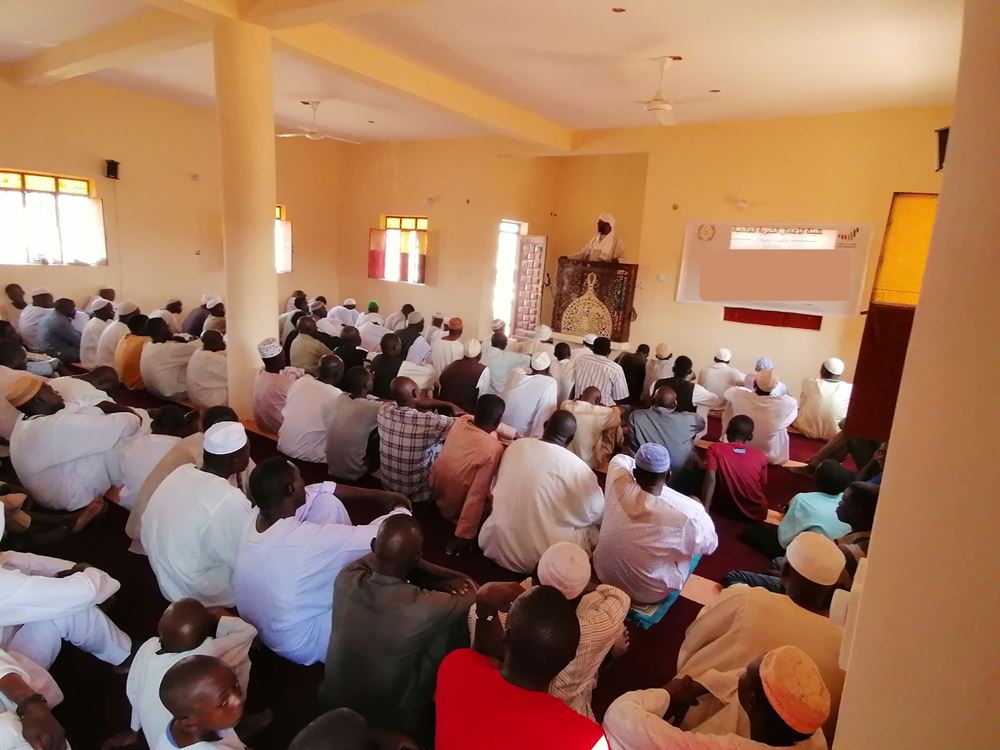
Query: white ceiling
point(574, 61)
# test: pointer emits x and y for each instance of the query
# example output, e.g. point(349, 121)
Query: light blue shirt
point(57, 331)
point(812, 511)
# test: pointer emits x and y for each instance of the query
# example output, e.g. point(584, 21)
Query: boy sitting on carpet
point(205, 699)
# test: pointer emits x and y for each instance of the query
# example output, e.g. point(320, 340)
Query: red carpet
point(96, 707)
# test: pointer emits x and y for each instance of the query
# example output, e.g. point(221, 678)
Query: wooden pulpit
point(594, 297)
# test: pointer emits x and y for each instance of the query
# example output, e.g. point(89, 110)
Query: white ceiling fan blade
point(290, 135)
point(342, 140)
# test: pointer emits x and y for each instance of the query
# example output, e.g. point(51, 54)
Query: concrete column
point(924, 667)
point(243, 88)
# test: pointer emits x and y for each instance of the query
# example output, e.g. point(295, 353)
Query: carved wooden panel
point(594, 297)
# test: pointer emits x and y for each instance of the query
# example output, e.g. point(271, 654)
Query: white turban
point(566, 567)
point(607, 219)
point(212, 300)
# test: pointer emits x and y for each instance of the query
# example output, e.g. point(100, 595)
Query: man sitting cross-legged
point(195, 521)
point(141, 453)
point(650, 532)
point(163, 363)
point(207, 378)
point(395, 617)
point(507, 705)
point(531, 396)
point(271, 386)
point(598, 428)
point(543, 494)
point(778, 700)
point(771, 415)
point(351, 420)
point(665, 424)
point(742, 470)
point(186, 628)
point(298, 540)
point(204, 697)
point(303, 431)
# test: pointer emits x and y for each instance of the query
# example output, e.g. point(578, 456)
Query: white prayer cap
point(349, 301)
point(541, 361)
point(127, 308)
point(97, 304)
point(566, 567)
point(723, 355)
point(795, 689)
point(589, 339)
point(816, 558)
point(608, 219)
point(766, 380)
point(663, 350)
point(212, 300)
point(497, 325)
point(414, 317)
point(473, 348)
point(269, 348)
point(38, 292)
point(224, 438)
point(764, 363)
point(652, 457)
point(172, 300)
point(315, 305)
point(542, 333)
point(834, 366)
point(204, 298)
point(439, 316)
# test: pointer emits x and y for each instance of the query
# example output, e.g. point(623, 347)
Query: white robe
point(771, 417)
point(164, 367)
point(171, 320)
point(207, 379)
point(543, 494)
point(231, 643)
point(284, 575)
point(501, 362)
point(140, 455)
point(67, 459)
point(342, 315)
point(191, 531)
point(27, 326)
point(38, 680)
point(822, 406)
point(395, 321)
point(720, 377)
point(108, 343)
point(750, 380)
point(603, 247)
point(419, 351)
point(303, 431)
point(444, 352)
point(530, 401)
point(89, 341)
point(656, 369)
point(370, 317)
point(563, 371)
point(371, 335)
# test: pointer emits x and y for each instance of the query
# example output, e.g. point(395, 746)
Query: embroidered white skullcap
point(350, 301)
point(816, 557)
point(652, 457)
point(38, 292)
point(212, 300)
point(723, 354)
point(414, 317)
point(269, 348)
point(663, 350)
point(607, 218)
point(224, 438)
point(97, 304)
point(541, 361)
point(766, 380)
point(589, 339)
point(473, 348)
point(172, 300)
point(542, 333)
point(497, 324)
point(764, 363)
point(315, 305)
point(566, 567)
point(127, 308)
point(795, 688)
point(834, 366)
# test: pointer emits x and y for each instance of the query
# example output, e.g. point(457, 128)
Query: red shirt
point(478, 708)
point(744, 472)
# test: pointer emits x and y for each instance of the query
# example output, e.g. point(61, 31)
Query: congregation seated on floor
point(580, 481)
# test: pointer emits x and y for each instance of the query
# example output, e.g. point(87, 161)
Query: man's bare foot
point(88, 514)
point(620, 646)
point(252, 724)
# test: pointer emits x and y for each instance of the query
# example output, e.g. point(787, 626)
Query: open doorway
point(517, 286)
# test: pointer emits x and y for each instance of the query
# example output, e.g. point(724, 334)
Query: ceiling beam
point(372, 65)
point(151, 32)
point(282, 14)
point(199, 10)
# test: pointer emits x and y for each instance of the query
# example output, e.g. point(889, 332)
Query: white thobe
point(284, 574)
point(303, 431)
point(89, 341)
point(720, 377)
point(11, 737)
point(207, 379)
point(371, 334)
point(39, 611)
point(563, 371)
point(370, 317)
point(745, 622)
point(342, 315)
point(27, 326)
point(750, 379)
point(656, 369)
point(603, 247)
point(647, 541)
point(71, 457)
point(285, 326)
point(231, 644)
point(214, 323)
point(419, 351)
point(543, 494)
point(395, 321)
point(718, 722)
point(80, 320)
point(227, 741)
point(191, 531)
point(164, 367)
point(329, 327)
point(530, 401)
point(822, 406)
point(501, 362)
point(171, 320)
point(140, 455)
point(444, 352)
point(108, 343)
point(771, 417)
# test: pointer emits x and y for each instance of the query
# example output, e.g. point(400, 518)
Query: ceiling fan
point(312, 131)
point(659, 105)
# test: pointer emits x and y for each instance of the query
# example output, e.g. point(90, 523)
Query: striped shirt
point(409, 442)
point(595, 370)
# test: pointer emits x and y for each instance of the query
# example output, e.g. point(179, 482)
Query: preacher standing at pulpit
point(605, 245)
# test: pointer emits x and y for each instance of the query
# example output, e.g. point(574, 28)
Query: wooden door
point(528, 285)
